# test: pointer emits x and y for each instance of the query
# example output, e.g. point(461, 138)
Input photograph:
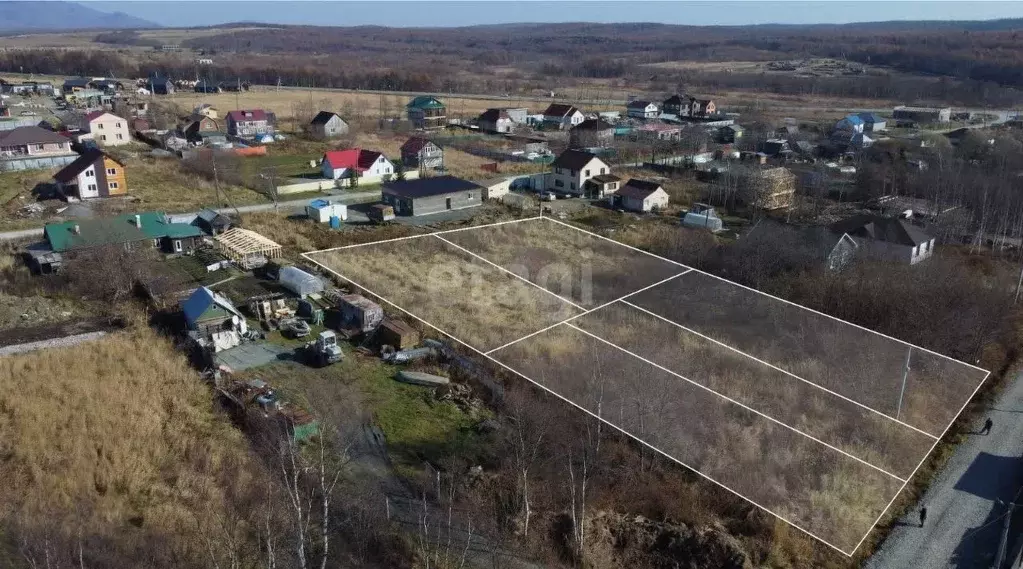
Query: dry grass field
point(113, 445)
point(838, 422)
point(574, 264)
point(820, 490)
point(859, 364)
point(469, 299)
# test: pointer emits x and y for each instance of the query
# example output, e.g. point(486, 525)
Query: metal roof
point(428, 187)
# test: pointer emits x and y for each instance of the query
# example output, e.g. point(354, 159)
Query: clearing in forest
point(815, 420)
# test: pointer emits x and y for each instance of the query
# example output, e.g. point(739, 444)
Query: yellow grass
point(116, 439)
point(473, 301)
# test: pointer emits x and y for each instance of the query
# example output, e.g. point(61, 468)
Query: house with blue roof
point(852, 124)
point(872, 122)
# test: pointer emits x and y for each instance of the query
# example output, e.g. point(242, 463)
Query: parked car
point(295, 328)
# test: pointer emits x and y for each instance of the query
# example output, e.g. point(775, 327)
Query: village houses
point(573, 169)
point(327, 125)
point(249, 123)
point(368, 164)
point(95, 174)
point(106, 129)
point(562, 117)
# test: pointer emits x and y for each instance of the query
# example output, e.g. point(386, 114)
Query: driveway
point(965, 503)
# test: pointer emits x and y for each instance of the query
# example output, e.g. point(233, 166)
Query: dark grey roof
point(88, 158)
point(573, 159)
point(493, 115)
point(559, 110)
point(880, 228)
point(427, 187)
point(77, 82)
point(30, 135)
point(323, 117)
point(638, 103)
point(594, 124)
point(639, 189)
point(606, 178)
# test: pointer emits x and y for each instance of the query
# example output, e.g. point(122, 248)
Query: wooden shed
point(397, 334)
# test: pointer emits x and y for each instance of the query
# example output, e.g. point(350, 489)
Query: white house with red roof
point(372, 166)
point(249, 123)
point(106, 129)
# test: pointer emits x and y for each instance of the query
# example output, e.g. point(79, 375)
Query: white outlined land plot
point(800, 413)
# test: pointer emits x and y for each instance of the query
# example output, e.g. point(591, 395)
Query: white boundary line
point(580, 315)
point(500, 268)
point(921, 348)
point(921, 463)
point(730, 400)
point(586, 411)
point(408, 237)
point(776, 368)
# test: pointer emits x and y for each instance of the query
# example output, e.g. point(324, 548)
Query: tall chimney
point(138, 221)
point(76, 229)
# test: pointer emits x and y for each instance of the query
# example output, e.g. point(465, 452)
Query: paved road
point(964, 518)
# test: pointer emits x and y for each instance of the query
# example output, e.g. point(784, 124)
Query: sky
point(183, 13)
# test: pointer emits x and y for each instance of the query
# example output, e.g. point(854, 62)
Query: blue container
point(335, 222)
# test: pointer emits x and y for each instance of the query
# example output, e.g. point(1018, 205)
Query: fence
point(325, 184)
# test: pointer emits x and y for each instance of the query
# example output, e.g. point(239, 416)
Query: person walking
point(987, 426)
point(923, 515)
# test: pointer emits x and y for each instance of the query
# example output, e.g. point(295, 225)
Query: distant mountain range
point(18, 16)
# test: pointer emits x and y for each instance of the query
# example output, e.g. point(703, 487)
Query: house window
point(119, 137)
point(586, 173)
point(177, 245)
point(39, 146)
point(613, 185)
point(602, 171)
point(559, 183)
point(92, 187)
point(90, 173)
point(118, 125)
point(100, 126)
point(111, 171)
point(113, 185)
point(469, 196)
point(103, 137)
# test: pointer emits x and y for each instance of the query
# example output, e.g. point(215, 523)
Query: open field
point(120, 453)
point(858, 431)
point(566, 261)
point(861, 365)
point(822, 491)
point(445, 285)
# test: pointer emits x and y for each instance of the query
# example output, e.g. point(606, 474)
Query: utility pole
point(1003, 544)
point(1019, 284)
point(905, 376)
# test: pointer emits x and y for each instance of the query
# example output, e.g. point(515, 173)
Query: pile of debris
point(463, 397)
point(637, 540)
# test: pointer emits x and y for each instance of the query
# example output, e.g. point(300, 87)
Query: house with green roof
point(151, 227)
point(427, 112)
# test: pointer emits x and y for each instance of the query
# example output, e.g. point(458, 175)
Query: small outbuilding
point(359, 313)
point(641, 195)
point(212, 222)
point(321, 211)
point(426, 196)
point(299, 282)
point(213, 320)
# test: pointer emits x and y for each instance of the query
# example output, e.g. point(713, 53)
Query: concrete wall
point(32, 163)
point(324, 184)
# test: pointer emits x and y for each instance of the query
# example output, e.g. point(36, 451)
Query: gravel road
point(964, 515)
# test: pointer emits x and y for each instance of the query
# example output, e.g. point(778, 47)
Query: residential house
point(850, 124)
point(249, 123)
point(29, 147)
point(151, 229)
point(427, 112)
point(911, 116)
point(657, 131)
point(640, 109)
point(872, 122)
point(161, 86)
point(206, 110)
point(561, 116)
point(74, 85)
point(592, 133)
point(496, 121)
point(213, 320)
point(368, 164)
point(678, 105)
point(887, 238)
point(703, 107)
point(844, 141)
point(419, 152)
point(328, 125)
point(834, 250)
point(95, 174)
point(426, 196)
point(198, 126)
point(571, 170)
point(776, 147)
point(640, 195)
point(212, 222)
point(107, 129)
point(518, 115)
point(108, 86)
point(729, 134)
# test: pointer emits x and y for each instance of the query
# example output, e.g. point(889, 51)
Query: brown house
point(94, 174)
